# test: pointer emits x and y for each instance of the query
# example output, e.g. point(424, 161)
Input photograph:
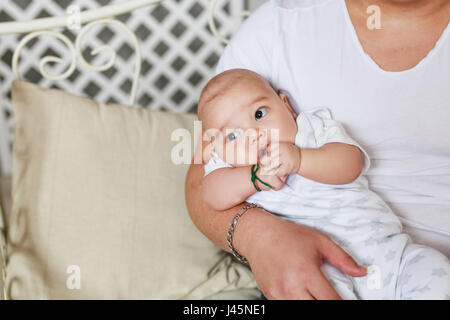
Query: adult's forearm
point(289, 270)
point(214, 224)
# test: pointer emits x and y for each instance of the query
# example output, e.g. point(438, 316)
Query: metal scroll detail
point(212, 23)
point(76, 53)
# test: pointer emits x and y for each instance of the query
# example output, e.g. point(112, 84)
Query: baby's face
point(246, 119)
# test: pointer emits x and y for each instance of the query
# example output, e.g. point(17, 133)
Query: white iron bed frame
point(85, 20)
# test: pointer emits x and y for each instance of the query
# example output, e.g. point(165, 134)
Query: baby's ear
point(203, 149)
point(288, 105)
point(288, 101)
point(211, 138)
point(208, 147)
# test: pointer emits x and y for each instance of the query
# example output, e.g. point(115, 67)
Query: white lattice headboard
point(180, 43)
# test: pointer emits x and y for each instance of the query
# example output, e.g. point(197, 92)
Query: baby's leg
point(424, 274)
point(340, 282)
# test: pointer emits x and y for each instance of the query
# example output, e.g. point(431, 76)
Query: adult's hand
point(285, 258)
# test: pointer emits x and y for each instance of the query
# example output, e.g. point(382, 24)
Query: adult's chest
point(396, 115)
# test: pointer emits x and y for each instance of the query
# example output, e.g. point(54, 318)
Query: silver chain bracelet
point(231, 231)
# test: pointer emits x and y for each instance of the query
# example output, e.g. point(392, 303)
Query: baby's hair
point(222, 82)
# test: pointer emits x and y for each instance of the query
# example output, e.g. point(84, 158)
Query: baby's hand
point(275, 181)
point(280, 159)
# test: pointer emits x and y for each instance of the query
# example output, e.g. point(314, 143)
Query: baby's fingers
point(265, 161)
point(270, 159)
point(268, 170)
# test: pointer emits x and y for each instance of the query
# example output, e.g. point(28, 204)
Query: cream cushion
point(99, 209)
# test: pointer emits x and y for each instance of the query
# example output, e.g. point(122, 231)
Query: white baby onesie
point(358, 220)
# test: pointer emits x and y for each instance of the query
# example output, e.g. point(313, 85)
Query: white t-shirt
point(310, 49)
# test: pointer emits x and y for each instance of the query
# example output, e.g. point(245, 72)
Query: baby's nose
point(262, 133)
point(253, 136)
point(256, 135)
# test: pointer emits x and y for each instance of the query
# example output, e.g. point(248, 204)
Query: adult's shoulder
point(251, 46)
point(254, 43)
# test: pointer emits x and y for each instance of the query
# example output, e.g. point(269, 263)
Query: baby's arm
point(327, 154)
point(332, 163)
point(225, 188)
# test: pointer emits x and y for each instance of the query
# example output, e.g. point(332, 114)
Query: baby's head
point(239, 105)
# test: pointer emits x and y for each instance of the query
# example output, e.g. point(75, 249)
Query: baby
point(306, 169)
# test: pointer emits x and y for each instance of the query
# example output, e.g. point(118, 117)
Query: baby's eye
point(261, 112)
point(232, 136)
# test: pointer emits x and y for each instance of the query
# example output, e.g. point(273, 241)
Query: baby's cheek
point(239, 153)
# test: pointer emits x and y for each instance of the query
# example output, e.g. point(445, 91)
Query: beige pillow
point(99, 209)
